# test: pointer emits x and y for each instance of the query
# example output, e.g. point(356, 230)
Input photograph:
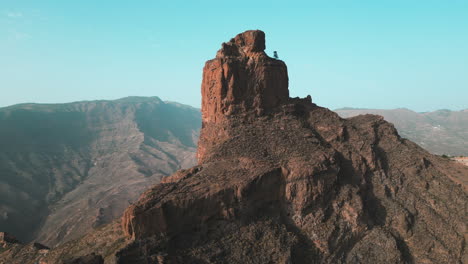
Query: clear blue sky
point(372, 54)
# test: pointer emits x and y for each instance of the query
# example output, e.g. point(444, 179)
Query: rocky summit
point(282, 180)
point(242, 78)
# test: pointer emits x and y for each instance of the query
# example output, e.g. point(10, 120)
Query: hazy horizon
point(377, 55)
point(171, 101)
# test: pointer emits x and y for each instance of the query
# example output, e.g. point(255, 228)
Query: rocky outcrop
point(242, 78)
point(286, 181)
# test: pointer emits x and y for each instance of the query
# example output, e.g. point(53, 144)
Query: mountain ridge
point(440, 132)
point(52, 155)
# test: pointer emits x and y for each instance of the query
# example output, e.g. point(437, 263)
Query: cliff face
point(281, 180)
point(67, 168)
point(242, 78)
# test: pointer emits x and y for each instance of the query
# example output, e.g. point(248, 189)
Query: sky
point(364, 54)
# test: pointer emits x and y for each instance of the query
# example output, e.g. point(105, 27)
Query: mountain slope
point(440, 132)
point(66, 168)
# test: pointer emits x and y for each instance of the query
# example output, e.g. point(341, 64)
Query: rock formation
point(242, 78)
point(281, 180)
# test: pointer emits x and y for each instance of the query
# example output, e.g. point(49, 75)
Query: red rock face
point(242, 78)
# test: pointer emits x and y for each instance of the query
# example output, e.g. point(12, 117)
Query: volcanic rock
point(282, 180)
point(242, 79)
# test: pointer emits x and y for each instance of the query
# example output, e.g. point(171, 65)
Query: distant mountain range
point(66, 168)
point(440, 132)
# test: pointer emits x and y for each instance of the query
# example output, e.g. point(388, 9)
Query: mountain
point(282, 180)
point(440, 132)
point(66, 168)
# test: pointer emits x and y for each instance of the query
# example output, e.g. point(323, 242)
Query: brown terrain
point(282, 180)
